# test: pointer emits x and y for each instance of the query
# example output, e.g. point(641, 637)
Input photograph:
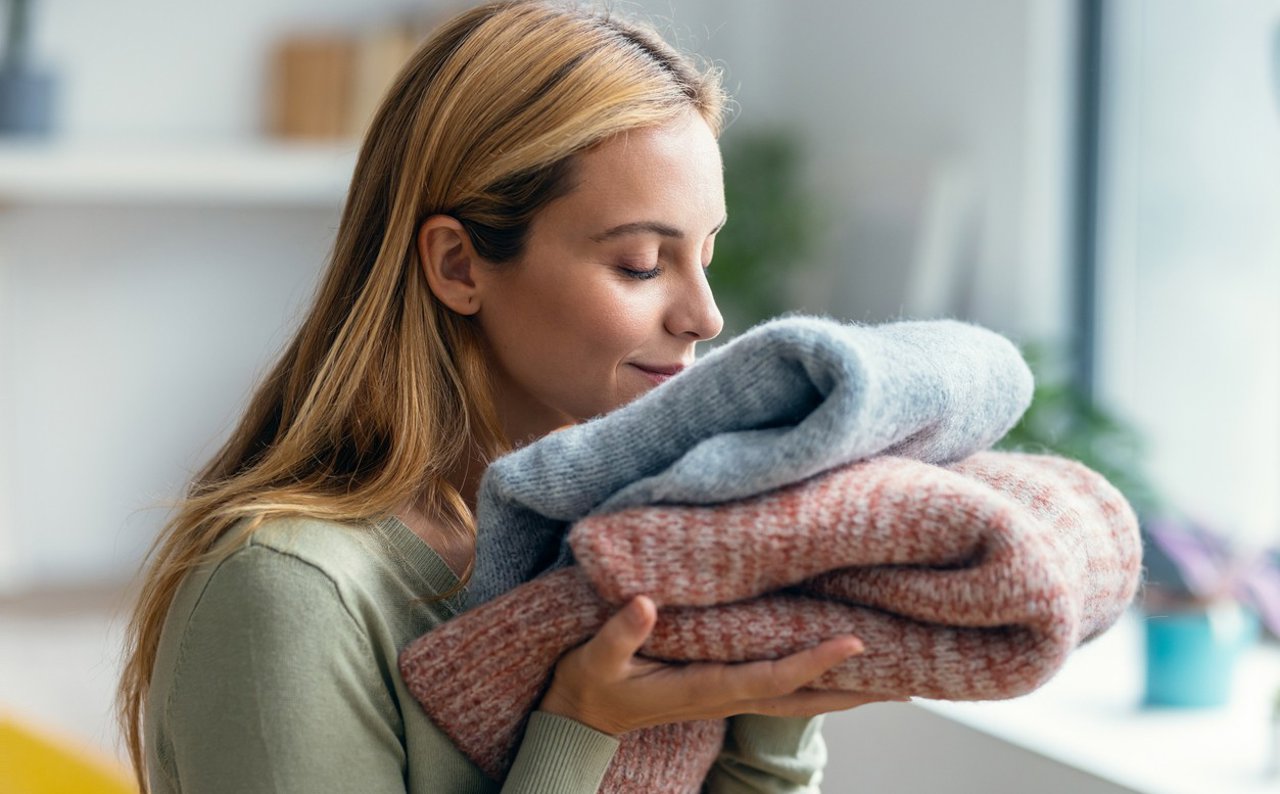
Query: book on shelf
point(311, 87)
point(326, 86)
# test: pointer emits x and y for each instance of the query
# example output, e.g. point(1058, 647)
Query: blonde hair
point(383, 390)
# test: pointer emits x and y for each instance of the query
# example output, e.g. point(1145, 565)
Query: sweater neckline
point(422, 560)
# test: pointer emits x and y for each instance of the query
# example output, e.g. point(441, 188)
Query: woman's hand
point(604, 685)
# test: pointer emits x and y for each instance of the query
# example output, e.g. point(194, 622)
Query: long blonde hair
point(383, 390)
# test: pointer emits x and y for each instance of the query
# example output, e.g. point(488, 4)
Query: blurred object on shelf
point(1201, 565)
point(26, 94)
point(311, 87)
point(378, 56)
point(326, 86)
point(1192, 653)
point(946, 261)
point(1206, 592)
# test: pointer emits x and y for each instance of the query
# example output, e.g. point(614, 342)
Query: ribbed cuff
point(560, 756)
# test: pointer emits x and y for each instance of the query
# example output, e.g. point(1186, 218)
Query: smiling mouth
point(655, 376)
point(666, 370)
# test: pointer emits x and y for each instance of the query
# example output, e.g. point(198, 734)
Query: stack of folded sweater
point(807, 480)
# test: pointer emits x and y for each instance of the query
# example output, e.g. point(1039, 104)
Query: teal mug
point(1192, 654)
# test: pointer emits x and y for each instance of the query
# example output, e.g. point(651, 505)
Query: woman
point(523, 247)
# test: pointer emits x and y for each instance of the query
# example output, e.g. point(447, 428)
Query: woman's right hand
point(604, 685)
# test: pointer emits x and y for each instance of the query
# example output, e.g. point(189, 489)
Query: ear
point(450, 263)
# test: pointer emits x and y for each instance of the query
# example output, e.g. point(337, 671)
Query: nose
point(693, 313)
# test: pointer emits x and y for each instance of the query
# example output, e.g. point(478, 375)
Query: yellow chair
point(38, 760)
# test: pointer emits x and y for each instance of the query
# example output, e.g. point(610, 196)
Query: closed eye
point(642, 275)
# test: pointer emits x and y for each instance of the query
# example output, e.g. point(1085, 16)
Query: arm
point(770, 755)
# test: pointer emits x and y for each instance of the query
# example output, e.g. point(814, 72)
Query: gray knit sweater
point(785, 400)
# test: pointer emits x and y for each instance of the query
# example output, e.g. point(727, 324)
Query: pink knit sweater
point(969, 581)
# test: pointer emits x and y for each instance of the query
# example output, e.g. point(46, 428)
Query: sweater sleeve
point(770, 755)
point(559, 756)
point(276, 687)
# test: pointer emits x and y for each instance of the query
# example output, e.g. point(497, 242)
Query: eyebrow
point(647, 227)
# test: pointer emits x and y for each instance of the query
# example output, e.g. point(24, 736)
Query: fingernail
point(856, 647)
point(636, 613)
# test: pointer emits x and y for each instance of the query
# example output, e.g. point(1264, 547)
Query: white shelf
point(1089, 717)
point(250, 173)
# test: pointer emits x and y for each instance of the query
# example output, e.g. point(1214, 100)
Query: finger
point(769, 679)
point(622, 634)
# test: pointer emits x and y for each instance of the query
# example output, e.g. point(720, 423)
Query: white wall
point(130, 338)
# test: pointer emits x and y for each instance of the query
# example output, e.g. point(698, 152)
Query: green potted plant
point(773, 225)
point(26, 95)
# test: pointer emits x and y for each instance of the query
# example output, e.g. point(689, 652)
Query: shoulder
point(363, 560)
point(285, 571)
point(380, 573)
point(305, 582)
point(338, 550)
point(284, 560)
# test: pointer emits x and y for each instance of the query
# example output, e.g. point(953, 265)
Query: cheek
point(541, 328)
point(612, 320)
point(570, 320)
point(609, 308)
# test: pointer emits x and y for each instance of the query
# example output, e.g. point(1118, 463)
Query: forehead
point(671, 174)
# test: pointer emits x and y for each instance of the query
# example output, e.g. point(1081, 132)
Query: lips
point(661, 369)
point(658, 374)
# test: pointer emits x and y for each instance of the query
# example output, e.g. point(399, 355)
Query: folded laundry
point(972, 580)
point(787, 399)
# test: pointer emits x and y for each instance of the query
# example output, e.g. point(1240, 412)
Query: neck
point(424, 519)
point(523, 417)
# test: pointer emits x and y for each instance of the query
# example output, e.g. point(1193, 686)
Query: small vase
point(1192, 654)
point(26, 102)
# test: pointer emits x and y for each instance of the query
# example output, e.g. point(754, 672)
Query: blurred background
point(1099, 180)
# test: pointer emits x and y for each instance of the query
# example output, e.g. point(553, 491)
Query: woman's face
point(612, 280)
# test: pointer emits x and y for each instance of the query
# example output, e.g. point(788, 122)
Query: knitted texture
point(785, 400)
point(968, 581)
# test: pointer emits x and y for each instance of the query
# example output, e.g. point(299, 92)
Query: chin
point(610, 407)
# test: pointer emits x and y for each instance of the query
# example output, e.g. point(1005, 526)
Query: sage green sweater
point(277, 672)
